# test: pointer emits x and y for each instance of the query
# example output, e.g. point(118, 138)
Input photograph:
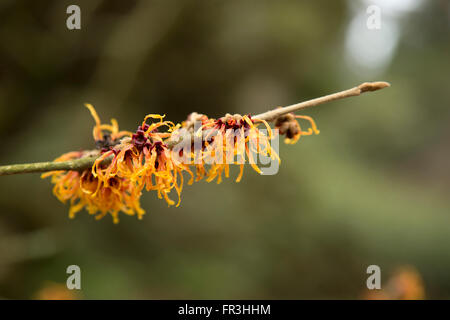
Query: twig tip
point(373, 86)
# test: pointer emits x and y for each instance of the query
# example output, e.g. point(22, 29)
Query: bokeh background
point(372, 188)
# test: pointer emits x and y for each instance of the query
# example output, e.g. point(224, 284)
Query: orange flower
point(56, 291)
point(406, 283)
point(230, 140)
point(162, 172)
point(67, 183)
point(289, 126)
point(99, 195)
point(145, 161)
point(99, 129)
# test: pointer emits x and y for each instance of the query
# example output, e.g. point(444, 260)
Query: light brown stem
point(356, 91)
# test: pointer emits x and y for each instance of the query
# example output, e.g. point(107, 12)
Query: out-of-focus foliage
point(372, 188)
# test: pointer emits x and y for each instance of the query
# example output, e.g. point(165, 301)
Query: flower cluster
point(86, 189)
point(230, 140)
point(158, 153)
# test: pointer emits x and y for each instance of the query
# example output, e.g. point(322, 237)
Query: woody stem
point(356, 91)
point(77, 165)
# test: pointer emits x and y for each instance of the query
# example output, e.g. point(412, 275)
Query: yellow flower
point(145, 161)
point(231, 140)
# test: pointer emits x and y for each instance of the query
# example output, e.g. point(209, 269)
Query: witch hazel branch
point(160, 155)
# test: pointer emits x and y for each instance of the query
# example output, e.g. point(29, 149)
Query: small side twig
point(88, 161)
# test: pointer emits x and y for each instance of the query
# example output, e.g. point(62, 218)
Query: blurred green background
point(372, 188)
